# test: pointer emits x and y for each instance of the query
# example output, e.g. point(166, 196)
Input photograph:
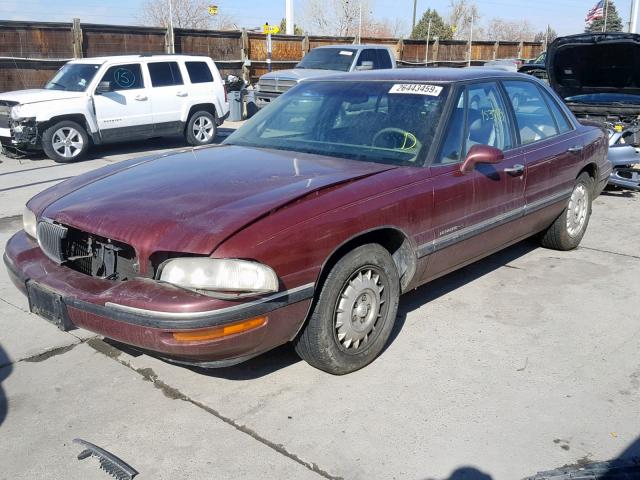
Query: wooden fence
point(31, 52)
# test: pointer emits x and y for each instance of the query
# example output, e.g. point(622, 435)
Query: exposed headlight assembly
point(29, 222)
point(227, 276)
point(16, 112)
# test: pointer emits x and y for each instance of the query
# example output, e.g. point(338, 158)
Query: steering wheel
point(406, 141)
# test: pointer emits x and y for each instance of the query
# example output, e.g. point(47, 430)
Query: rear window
point(199, 72)
point(164, 74)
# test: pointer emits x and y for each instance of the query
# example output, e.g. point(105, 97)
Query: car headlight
point(16, 112)
point(29, 221)
point(220, 275)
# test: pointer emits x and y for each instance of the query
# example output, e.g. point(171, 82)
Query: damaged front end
point(596, 75)
point(18, 134)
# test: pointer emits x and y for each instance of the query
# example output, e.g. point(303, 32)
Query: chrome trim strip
point(493, 222)
point(208, 313)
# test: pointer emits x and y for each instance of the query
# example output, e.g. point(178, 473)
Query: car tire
point(566, 232)
point(354, 313)
point(65, 142)
point(201, 128)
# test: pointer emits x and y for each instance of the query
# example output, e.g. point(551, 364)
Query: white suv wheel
point(67, 142)
point(203, 129)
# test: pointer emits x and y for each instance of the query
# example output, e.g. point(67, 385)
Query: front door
point(124, 111)
point(472, 211)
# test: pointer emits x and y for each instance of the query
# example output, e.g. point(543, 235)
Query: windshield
point(606, 98)
point(328, 59)
point(384, 122)
point(542, 58)
point(73, 77)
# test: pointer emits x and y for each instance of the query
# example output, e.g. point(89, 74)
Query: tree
point(509, 30)
point(463, 14)
point(614, 22)
point(549, 35)
point(439, 28)
point(335, 17)
point(297, 30)
point(186, 14)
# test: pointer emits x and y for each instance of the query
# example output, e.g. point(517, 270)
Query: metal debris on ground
point(111, 464)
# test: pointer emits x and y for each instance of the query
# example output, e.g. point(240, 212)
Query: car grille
point(5, 113)
point(275, 85)
point(51, 238)
point(86, 253)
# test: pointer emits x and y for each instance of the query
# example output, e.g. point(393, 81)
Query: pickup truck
point(324, 61)
point(92, 101)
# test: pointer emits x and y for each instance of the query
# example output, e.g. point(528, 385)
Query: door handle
point(516, 171)
point(140, 98)
point(182, 94)
point(575, 149)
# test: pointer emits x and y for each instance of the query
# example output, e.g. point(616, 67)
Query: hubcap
point(67, 142)
point(203, 129)
point(359, 309)
point(577, 210)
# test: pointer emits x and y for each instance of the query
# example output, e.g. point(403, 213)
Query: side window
point(164, 74)
point(124, 77)
point(451, 151)
point(369, 56)
point(384, 59)
point(199, 72)
point(560, 117)
point(534, 119)
point(487, 119)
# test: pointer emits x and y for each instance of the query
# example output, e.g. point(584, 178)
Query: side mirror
point(103, 87)
point(365, 65)
point(481, 154)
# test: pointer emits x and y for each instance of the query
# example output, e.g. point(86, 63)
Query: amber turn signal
point(218, 332)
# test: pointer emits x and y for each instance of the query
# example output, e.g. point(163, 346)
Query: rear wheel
point(354, 312)
point(566, 232)
point(201, 128)
point(65, 142)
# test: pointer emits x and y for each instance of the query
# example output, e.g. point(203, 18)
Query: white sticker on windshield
point(346, 52)
point(416, 89)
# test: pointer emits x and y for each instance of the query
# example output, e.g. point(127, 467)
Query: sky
point(565, 16)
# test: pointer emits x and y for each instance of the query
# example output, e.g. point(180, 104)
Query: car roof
point(445, 74)
point(357, 46)
point(137, 58)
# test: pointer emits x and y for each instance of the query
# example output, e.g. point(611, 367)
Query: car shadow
point(435, 289)
point(5, 371)
point(619, 193)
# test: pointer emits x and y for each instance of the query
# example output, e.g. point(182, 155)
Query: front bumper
point(145, 313)
point(625, 163)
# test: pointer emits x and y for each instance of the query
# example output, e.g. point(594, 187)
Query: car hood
point(37, 95)
point(192, 201)
point(594, 63)
point(296, 74)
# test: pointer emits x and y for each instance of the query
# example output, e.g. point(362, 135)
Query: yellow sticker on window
point(416, 89)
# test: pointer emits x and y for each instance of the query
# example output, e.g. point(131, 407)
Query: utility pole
point(413, 24)
point(633, 20)
point(426, 57)
point(172, 46)
point(606, 12)
point(360, 25)
point(470, 41)
point(289, 17)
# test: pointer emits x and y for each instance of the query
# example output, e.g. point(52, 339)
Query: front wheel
point(354, 314)
point(65, 142)
point(566, 232)
point(201, 129)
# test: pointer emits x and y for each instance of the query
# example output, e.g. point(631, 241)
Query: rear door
point(551, 147)
point(125, 110)
point(168, 95)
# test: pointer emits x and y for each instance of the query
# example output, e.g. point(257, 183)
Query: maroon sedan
point(308, 223)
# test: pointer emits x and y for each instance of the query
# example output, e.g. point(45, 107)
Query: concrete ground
point(523, 362)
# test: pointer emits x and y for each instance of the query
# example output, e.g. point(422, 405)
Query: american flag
point(596, 12)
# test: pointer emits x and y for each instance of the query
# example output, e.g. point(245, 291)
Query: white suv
point(111, 99)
